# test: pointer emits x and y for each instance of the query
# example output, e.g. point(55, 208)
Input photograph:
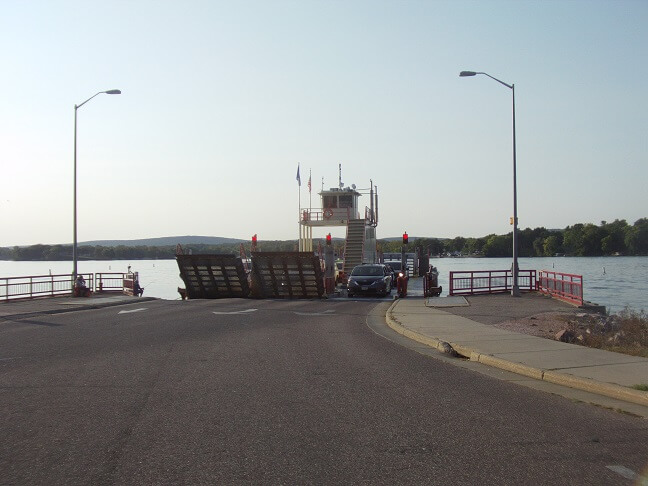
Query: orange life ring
point(328, 212)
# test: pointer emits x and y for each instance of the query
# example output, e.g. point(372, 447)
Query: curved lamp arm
point(464, 74)
point(110, 91)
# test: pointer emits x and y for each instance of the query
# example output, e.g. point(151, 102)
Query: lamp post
point(74, 244)
point(515, 290)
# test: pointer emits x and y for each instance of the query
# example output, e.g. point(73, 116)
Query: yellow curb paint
point(518, 368)
point(607, 389)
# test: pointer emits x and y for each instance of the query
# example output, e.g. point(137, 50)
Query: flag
point(309, 183)
point(298, 177)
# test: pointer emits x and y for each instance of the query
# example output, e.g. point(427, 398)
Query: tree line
point(616, 238)
point(123, 252)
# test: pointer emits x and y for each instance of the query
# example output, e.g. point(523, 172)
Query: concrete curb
point(600, 388)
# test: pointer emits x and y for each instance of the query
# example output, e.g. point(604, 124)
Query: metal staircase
point(354, 248)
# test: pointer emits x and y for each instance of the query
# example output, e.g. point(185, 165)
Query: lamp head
point(113, 91)
point(464, 74)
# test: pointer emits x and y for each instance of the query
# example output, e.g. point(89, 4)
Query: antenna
point(340, 177)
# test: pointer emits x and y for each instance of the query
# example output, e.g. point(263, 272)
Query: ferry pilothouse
point(340, 206)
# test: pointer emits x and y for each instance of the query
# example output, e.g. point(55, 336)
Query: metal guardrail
point(490, 281)
point(35, 286)
point(110, 281)
point(563, 286)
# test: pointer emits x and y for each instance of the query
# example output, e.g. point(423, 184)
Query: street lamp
point(515, 290)
point(74, 244)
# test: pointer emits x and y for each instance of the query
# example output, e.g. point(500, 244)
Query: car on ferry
point(396, 267)
point(370, 279)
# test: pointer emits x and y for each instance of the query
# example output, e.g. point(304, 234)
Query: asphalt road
point(279, 392)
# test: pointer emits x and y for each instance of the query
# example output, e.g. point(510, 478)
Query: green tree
point(499, 246)
point(552, 245)
point(614, 239)
point(636, 237)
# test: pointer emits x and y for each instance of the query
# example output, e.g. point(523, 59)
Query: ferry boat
point(340, 206)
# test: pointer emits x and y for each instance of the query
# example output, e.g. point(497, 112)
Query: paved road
point(243, 391)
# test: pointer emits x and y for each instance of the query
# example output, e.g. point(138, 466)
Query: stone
point(565, 336)
point(447, 349)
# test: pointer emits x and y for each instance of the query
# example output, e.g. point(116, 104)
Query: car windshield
point(368, 270)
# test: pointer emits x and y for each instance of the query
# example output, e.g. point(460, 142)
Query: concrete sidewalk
point(593, 370)
point(57, 305)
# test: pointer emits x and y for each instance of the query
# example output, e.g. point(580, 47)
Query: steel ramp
point(287, 275)
point(214, 276)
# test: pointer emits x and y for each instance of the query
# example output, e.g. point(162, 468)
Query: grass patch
point(642, 387)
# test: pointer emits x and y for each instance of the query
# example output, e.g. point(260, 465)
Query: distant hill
point(165, 241)
point(191, 240)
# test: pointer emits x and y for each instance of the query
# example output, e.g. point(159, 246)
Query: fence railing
point(34, 286)
point(563, 286)
point(325, 215)
point(109, 281)
point(490, 281)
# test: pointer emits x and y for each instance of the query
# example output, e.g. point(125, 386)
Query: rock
point(565, 336)
point(447, 349)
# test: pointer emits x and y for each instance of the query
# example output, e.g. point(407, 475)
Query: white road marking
point(325, 313)
point(131, 311)
point(624, 471)
point(236, 312)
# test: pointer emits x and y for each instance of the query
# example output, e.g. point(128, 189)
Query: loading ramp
point(214, 276)
point(283, 275)
point(286, 275)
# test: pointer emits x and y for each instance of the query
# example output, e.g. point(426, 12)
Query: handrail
point(109, 281)
point(490, 281)
point(562, 286)
point(35, 286)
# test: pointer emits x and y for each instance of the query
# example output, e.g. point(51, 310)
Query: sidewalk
point(57, 305)
point(593, 370)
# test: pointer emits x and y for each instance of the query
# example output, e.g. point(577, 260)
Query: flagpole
point(310, 192)
point(299, 184)
point(299, 208)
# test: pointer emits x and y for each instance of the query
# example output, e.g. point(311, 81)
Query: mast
point(371, 200)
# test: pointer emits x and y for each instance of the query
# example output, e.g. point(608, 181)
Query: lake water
point(615, 282)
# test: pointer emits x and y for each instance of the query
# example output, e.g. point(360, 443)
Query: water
point(615, 282)
point(160, 278)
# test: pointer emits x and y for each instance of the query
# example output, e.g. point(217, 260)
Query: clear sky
point(221, 100)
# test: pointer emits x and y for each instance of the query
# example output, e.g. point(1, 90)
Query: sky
point(221, 100)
